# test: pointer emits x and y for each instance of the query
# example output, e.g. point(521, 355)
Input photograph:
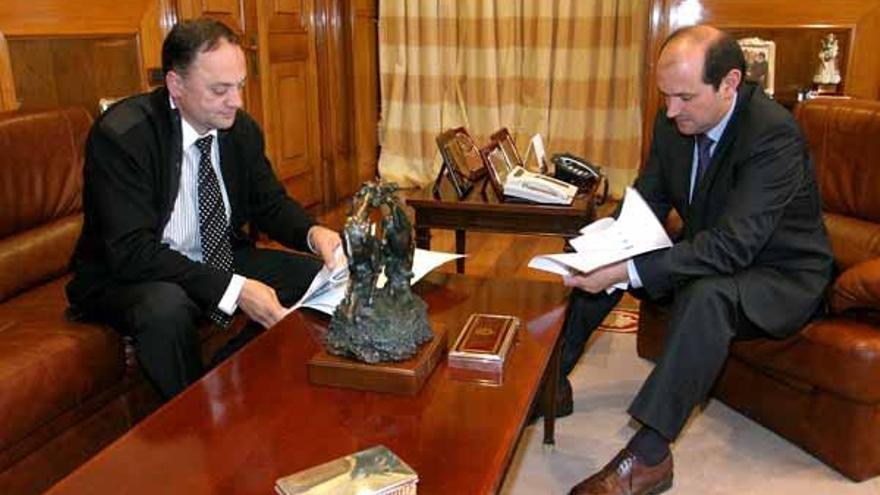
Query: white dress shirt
point(181, 233)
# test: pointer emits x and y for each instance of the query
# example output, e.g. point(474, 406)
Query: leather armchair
point(820, 388)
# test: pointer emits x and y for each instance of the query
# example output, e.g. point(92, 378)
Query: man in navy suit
point(171, 179)
point(752, 260)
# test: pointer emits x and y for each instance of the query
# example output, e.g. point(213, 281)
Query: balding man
point(753, 258)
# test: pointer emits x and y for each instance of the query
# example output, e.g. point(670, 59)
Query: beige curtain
point(570, 69)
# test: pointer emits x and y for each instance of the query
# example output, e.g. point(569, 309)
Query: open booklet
point(328, 287)
point(635, 231)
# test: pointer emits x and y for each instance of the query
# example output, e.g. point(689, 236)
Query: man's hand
point(598, 279)
point(260, 302)
point(325, 242)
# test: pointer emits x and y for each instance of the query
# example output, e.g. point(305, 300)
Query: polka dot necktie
point(213, 227)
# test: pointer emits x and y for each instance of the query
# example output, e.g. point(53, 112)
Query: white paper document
point(635, 231)
point(328, 287)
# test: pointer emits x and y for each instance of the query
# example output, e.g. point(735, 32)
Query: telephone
point(520, 183)
point(580, 173)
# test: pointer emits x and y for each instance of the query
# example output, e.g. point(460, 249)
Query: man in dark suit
point(171, 179)
point(752, 260)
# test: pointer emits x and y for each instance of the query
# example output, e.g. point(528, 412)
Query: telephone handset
point(520, 183)
point(580, 173)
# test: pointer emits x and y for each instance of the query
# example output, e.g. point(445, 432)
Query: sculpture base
point(403, 378)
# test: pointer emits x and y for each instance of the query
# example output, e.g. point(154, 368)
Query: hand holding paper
point(605, 241)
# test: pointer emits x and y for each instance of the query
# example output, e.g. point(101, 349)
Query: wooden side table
point(482, 213)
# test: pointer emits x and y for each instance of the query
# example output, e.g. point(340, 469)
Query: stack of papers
point(605, 241)
point(328, 287)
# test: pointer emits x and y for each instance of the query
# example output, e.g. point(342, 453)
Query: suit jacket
point(755, 216)
point(131, 179)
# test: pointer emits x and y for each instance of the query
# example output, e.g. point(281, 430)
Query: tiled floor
point(720, 451)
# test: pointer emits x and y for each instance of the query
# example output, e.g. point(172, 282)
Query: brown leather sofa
point(820, 388)
point(67, 389)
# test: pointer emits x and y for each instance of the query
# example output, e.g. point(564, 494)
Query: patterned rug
point(621, 321)
point(624, 318)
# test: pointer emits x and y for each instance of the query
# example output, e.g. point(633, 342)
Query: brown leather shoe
point(627, 475)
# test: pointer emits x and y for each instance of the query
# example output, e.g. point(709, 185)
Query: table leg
point(551, 383)
point(459, 249)
point(423, 238)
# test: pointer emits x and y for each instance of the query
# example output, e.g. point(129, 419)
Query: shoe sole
point(659, 488)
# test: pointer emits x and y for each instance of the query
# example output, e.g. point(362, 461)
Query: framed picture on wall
point(760, 62)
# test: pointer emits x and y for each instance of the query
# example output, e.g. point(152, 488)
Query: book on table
point(374, 471)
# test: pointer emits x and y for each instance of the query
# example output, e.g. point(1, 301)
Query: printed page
point(605, 241)
point(327, 289)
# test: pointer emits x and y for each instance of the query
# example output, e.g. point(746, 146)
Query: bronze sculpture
point(376, 324)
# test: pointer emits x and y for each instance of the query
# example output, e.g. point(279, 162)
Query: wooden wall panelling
point(231, 12)
point(290, 96)
point(365, 79)
point(8, 98)
point(335, 85)
point(50, 72)
point(860, 18)
point(146, 21)
point(347, 40)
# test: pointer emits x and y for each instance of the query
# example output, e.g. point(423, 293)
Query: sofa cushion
point(40, 194)
point(29, 258)
point(838, 355)
point(857, 287)
point(48, 365)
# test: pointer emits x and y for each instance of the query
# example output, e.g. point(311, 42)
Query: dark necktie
point(704, 157)
point(213, 227)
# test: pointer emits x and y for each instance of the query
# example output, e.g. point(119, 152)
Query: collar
point(189, 134)
point(716, 132)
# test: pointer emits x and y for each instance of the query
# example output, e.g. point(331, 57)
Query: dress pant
point(705, 317)
point(164, 321)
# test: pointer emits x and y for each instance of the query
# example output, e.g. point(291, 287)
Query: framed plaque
point(508, 146)
point(498, 166)
point(457, 146)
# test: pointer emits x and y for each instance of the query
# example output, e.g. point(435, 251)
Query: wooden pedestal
point(404, 378)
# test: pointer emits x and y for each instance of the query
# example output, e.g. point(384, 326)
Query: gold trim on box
point(374, 471)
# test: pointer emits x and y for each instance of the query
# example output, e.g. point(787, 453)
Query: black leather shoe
point(564, 402)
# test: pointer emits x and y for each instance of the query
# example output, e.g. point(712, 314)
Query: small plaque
point(375, 471)
point(482, 346)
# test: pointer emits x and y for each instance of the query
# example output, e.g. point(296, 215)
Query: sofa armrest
point(857, 287)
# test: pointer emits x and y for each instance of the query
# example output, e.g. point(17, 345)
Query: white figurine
point(827, 73)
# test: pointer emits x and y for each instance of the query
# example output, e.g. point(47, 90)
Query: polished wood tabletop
point(485, 213)
point(256, 418)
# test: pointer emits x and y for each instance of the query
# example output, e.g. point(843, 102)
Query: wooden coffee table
point(256, 418)
point(477, 212)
